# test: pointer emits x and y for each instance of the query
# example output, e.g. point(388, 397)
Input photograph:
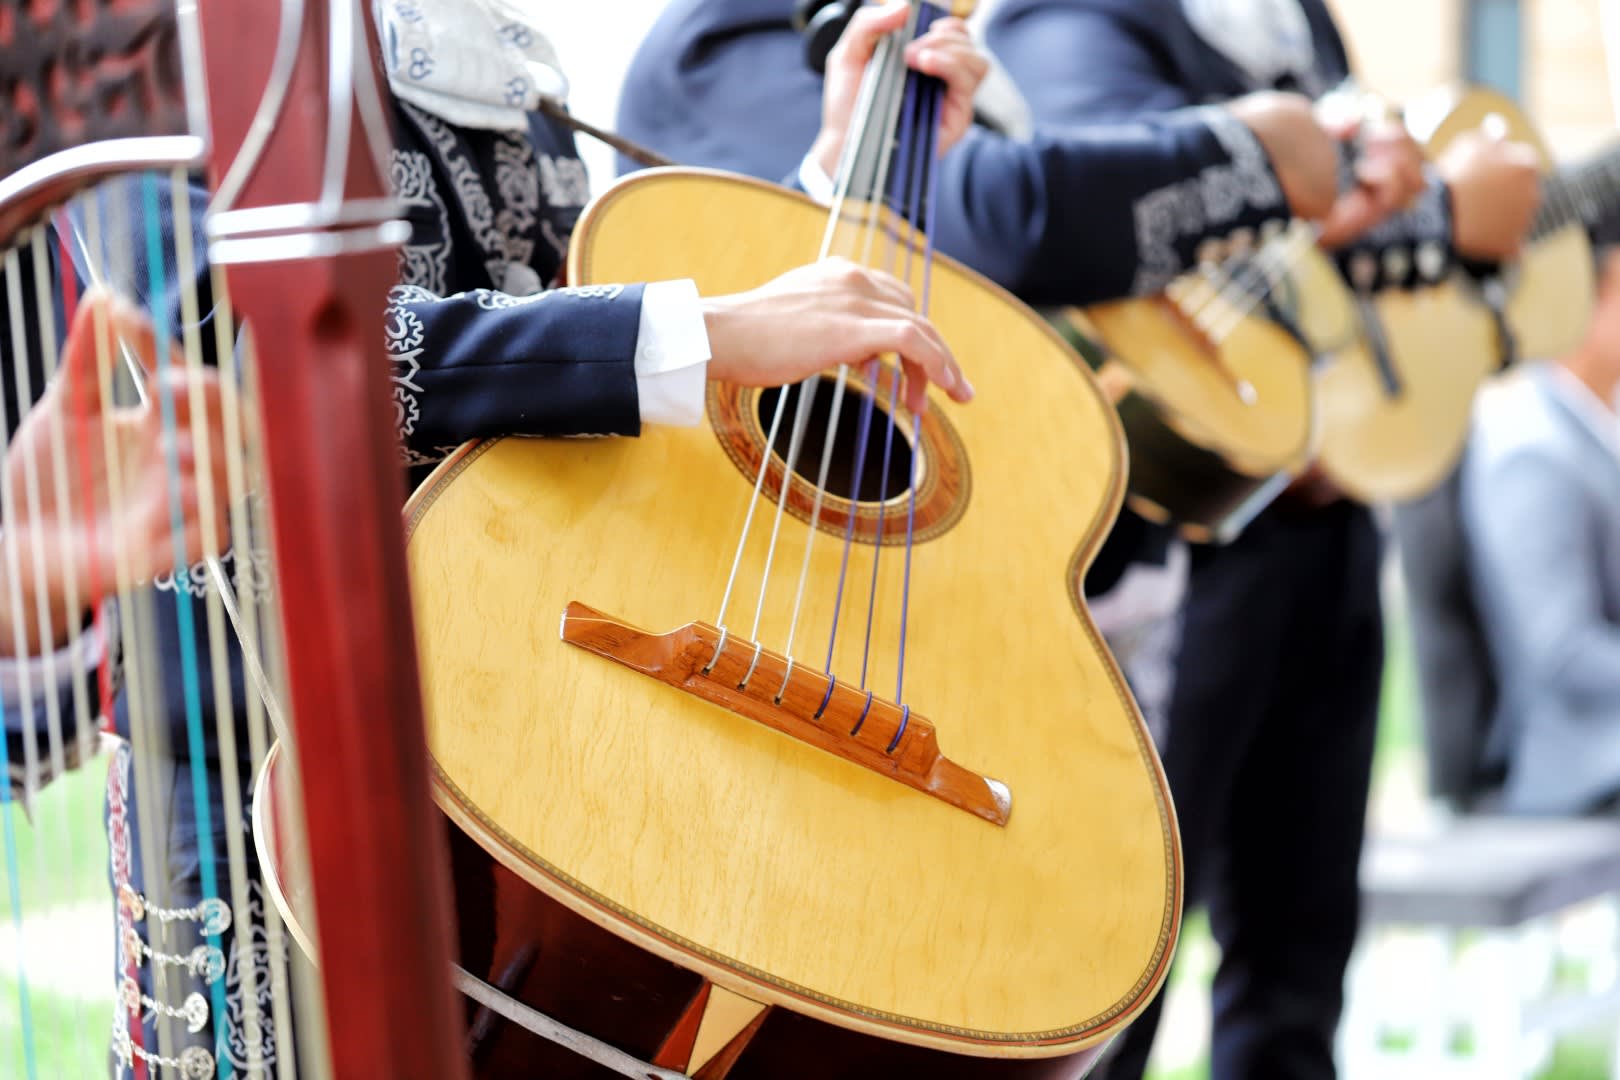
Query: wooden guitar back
point(1392, 431)
point(1197, 380)
point(773, 868)
point(1383, 445)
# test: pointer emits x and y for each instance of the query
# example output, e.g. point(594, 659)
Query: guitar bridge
point(765, 687)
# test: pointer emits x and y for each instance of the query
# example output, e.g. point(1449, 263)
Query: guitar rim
point(757, 985)
point(761, 985)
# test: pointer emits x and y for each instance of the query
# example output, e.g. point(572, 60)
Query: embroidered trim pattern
point(1208, 202)
point(424, 261)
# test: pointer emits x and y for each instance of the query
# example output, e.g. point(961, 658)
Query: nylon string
point(13, 859)
point(848, 163)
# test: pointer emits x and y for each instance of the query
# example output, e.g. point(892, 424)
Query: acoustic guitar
point(1395, 411)
point(819, 834)
point(1550, 289)
point(1212, 380)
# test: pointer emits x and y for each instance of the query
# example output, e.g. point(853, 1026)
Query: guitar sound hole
point(841, 474)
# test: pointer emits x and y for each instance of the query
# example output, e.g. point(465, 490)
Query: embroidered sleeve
point(483, 364)
point(1406, 251)
point(1173, 220)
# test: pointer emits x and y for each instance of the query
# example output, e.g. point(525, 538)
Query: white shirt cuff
point(815, 181)
point(672, 355)
point(48, 676)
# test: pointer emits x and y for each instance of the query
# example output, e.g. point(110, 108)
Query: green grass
point(70, 1035)
point(62, 860)
point(63, 852)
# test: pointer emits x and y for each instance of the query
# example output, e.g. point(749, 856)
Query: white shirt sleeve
point(815, 181)
point(45, 676)
point(672, 355)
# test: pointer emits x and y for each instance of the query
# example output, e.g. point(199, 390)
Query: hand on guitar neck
point(67, 553)
point(1302, 152)
point(1494, 182)
point(1388, 171)
point(1495, 189)
point(946, 52)
point(1303, 145)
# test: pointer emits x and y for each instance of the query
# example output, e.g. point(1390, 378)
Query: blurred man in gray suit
point(1540, 501)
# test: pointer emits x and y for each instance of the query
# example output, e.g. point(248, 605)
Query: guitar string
point(864, 105)
point(1237, 297)
point(858, 466)
point(1269, 269)
point(805, 400)
point(835, 415)
point(909, 194)
point(894, 56)
point(932, 120)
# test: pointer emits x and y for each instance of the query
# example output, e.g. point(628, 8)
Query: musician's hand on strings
point(1495, 191)
point(1303, 154)
point(823, 315)
point(1389, 174)
point(124, 506)
point(947, 52)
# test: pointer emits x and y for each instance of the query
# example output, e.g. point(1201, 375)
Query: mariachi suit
point(724, 84)
point(1274, 709)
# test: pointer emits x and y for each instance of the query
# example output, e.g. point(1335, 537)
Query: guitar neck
point(1581, 194)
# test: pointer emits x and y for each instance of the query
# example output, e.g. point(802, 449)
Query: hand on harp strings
point(75, 535)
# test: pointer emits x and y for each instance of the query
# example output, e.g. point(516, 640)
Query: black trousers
point(1269, 752)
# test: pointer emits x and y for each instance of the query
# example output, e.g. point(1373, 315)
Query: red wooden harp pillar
point(308, 244)
point(281, 100)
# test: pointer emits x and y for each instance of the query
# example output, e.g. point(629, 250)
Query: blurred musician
point(1540, 511)
point(1274, 706)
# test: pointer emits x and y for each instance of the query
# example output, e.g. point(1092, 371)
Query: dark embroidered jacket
point(1086, 60)
point(479, 347)
point(724, 84)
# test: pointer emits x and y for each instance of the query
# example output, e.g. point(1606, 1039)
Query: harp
point(199, 516)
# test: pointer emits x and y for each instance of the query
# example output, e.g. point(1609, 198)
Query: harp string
point(258, 638)
point(8, 818)
point(44, 880)
point(47, 295)
point(84, 717)
point(190, 679)
point(212, 584)
point(134, 773)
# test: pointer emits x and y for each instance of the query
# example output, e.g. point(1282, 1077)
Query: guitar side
point(755, 859)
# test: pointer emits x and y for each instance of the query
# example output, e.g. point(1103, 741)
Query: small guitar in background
point(1395, 411)
point(1212, 377)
